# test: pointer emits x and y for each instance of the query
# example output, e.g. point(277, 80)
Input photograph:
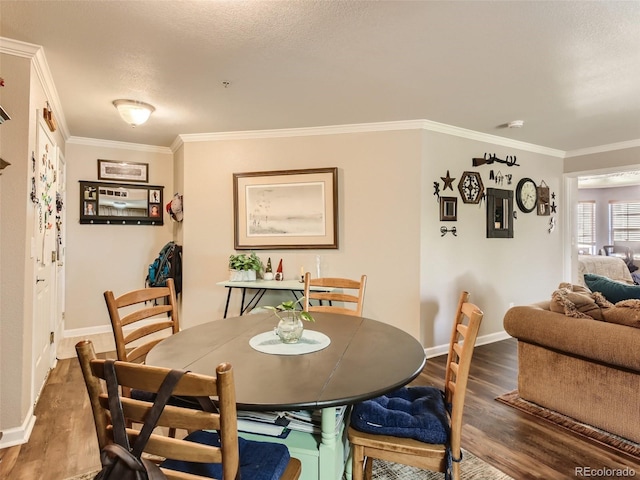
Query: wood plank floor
point(63, 441)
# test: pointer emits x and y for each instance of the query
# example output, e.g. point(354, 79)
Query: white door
point(45, 171)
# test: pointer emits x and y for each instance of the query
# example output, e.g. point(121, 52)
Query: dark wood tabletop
point(365, 358)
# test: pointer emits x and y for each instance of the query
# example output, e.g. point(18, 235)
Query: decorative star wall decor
point(448, 181)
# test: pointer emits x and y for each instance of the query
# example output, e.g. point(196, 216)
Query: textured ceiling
point(570, 70)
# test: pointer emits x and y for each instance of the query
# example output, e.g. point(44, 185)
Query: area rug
point(587, 431)
point(472, 469)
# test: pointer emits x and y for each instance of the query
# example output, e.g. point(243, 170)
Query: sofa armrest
point(603, 342)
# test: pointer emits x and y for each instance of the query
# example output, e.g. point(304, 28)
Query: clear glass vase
point(289, 327)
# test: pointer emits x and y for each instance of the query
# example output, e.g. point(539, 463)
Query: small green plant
point(245, 261)
point(290, 306)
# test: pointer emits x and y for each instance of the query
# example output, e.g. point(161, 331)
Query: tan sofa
point(581, 367)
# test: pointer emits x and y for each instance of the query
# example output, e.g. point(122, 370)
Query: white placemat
point(269, 342)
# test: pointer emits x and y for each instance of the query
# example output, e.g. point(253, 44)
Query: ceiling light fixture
point(516, 124)
point(134, 112)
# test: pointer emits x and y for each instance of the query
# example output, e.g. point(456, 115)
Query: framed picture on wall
point(286, 209)
point(120, 204)
point(123, 171)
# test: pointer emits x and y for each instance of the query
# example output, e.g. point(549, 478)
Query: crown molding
point(18, 48)
point(489, 138)
point(366, 128)
point(41, 67)
point(301, 132)
point(603, 148)
point(177, 143)
point(139, 147)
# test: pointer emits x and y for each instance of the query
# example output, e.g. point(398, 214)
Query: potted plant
point(290, 326)
point(244, 267)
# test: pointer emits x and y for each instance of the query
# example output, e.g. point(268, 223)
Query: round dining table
point(354, 359)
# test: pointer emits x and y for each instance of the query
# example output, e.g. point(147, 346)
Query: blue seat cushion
point(411, 412)
point(258, 460)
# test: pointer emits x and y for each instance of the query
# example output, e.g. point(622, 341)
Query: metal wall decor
point(470, 187)
point(490, 158)
point(444, 230)
point(448, 182)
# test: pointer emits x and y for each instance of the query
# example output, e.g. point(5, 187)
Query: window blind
point(587, 226)
point(625, 221)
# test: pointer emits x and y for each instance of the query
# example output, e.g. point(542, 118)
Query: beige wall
point(379, 210)
point(108, 257)
point(23, 97)
point(389, 227)
point(496, 271)
point(625, 157)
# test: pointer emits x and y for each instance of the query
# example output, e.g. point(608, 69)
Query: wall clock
point(526, 195)
point(470, 187)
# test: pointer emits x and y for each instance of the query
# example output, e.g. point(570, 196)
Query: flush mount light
point(134, 112)
point(516, 124)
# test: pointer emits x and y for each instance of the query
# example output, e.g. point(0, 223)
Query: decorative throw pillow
point(613, 291)
point(626, 312)
point(577, 301)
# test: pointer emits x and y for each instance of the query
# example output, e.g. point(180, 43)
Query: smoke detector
point(516, 124)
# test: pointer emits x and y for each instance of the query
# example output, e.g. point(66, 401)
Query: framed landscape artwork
point(286, 209)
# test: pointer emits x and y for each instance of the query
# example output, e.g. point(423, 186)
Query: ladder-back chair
point(351, 294)
point(409, 451)
point(199, 455)
point(155, 303)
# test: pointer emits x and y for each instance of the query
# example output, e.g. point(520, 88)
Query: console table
point(260, 287)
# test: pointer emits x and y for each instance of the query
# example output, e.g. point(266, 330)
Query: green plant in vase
point(290, 326)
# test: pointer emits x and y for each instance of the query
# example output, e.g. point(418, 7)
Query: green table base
point(323, 456)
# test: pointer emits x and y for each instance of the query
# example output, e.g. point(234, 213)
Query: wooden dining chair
point(198, 455)
point(153, 314)
point(407, 449)
point(350, 294)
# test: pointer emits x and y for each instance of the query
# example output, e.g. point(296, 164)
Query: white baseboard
point(483, 340)
point(18, 435)
point(87, 331)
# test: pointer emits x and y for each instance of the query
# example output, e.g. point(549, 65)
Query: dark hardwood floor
point(63, 441)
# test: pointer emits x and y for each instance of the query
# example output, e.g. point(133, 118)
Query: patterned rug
point(472, 469)
point(601, 436)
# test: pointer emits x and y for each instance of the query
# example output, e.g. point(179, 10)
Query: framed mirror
point(499, 213)
point(448, 209)
point(120, 204)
